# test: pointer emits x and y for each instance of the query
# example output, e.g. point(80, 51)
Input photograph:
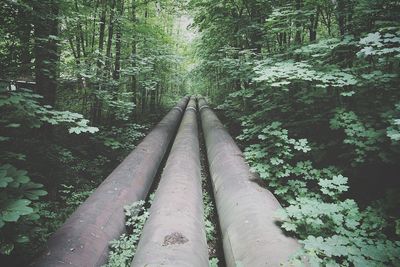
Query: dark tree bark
point(314, 25)
point(81, 38)
point(24, 32)
point(46, 48)
point(297, 38)
point(94, 25)
point(341, 16)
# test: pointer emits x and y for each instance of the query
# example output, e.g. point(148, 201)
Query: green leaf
point(6, 248)
point(4, 181)
point(35, 194)
point(13, 125)
point(22, 239)
point(14, 209)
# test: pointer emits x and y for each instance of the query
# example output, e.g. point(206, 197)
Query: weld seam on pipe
point(179, 108)
point(204, 106)
point(246, 211)
point(192, 108)
point(174, 234)
point(83, 240)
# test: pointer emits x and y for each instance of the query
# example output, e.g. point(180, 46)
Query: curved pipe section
point(174, 234)
point(250, 234)
point(83, 239)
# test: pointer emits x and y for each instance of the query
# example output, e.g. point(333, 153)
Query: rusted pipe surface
point(174, 234)
point(84, 237)
point(251, 237)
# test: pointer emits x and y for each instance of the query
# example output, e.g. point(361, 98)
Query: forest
point(309, 90)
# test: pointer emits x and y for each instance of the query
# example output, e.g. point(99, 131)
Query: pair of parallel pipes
point(83, 240)
point(174, 234)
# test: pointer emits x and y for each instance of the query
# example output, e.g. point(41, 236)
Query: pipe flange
point(179, 108)
point(204, 106)
point(195, 110)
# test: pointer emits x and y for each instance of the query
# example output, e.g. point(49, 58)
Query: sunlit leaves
point(82, 127)
point(362, 137)
point(379, 44)
point(281, 74)
point(28, 112)
point(334, 186)
point(393, 131)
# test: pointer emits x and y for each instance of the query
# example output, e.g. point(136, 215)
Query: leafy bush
point(123, 249)
point(17, 192)
point(22, 108)
point(334, 232)
point(20, 208)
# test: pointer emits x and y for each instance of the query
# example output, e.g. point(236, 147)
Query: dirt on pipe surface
point(83, 240)
point(174, 234)
point(251, 236)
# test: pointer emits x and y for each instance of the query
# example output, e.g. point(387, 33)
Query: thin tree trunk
point(314, 25)
point(110, 39)
point(96, 105)
point(118, 41)
point(79, 25)
point(94, 24)
point(341, 16)
point(133, 58)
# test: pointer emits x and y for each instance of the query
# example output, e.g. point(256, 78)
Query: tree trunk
point(297, 38)
point(109, 40)
point(313, 25)
point(25, 30)
point(94, 25)
point(96, 105)
point(133, 58)
point(46, 49)
point(118, 39)
point(341, 16)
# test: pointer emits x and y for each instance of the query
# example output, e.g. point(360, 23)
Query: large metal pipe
point(250, 234)
point(174, 234)
point(84, 238)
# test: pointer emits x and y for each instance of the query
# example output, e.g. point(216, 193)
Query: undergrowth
point(334, 230)
point(123, 249)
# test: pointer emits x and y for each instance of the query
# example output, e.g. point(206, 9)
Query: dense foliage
point(80, 84)
point(310, 88)
point(313, 88)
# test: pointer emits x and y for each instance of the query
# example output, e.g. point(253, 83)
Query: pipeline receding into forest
point(83, 240)
point(251, 236)
point(174, 234)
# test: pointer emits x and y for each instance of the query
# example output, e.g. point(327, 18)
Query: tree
point(46, 48)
